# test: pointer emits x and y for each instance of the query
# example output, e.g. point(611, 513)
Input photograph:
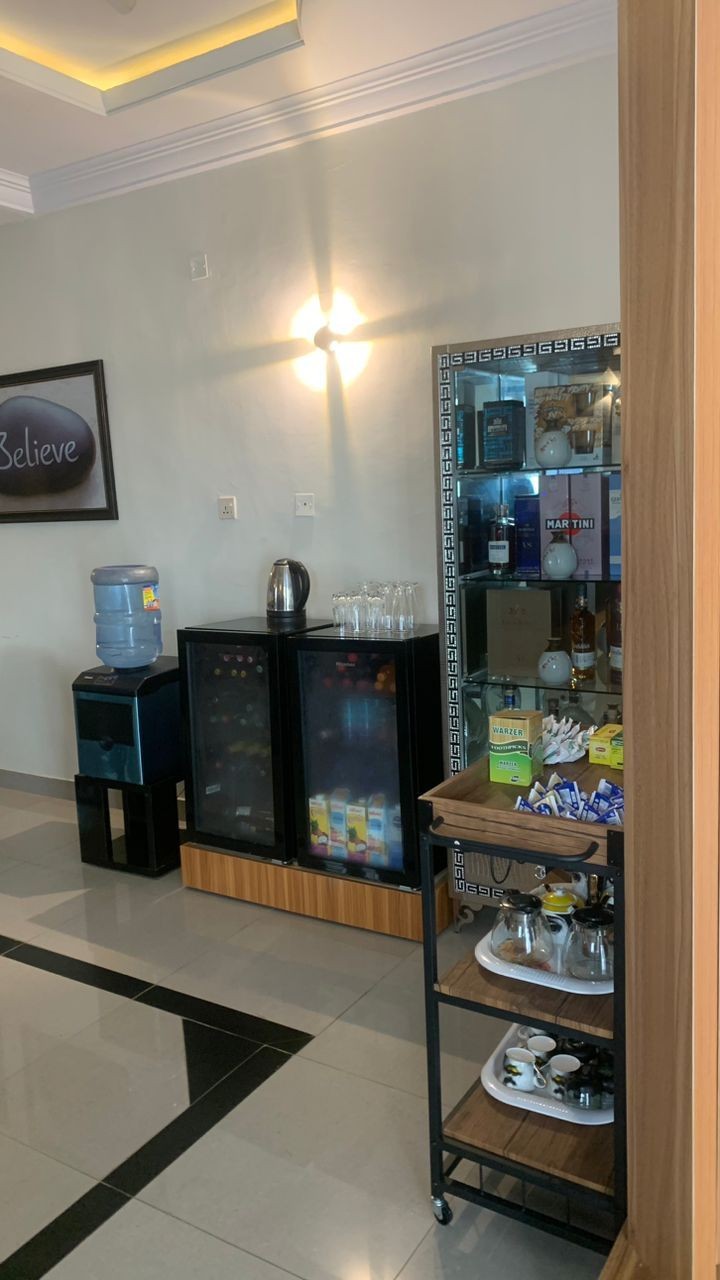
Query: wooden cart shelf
point(527, 1001)
point(472, 808)
point(581, 1154)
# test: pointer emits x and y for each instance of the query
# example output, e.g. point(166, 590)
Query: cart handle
point(511, 851)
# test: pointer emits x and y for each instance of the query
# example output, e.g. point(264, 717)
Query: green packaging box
point(516, 747)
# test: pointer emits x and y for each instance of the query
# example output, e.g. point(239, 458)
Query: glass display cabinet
point(529, 492)
point(237, 743)
point(366, 735)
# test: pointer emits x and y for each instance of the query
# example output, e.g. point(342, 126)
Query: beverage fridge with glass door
point(366, 720)
point(237, 745)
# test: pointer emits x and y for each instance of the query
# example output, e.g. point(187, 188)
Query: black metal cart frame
point(446, 1154)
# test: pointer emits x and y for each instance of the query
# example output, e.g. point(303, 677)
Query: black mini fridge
point(236, 743)
point(367, 725)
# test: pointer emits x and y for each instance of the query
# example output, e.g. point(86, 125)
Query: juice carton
point(516, 747)
point(376, 833)
point(395, 838)
point(357, 831)
point(338, 822)
point(319, 826)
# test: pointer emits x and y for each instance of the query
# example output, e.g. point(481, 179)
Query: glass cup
point(374, 613)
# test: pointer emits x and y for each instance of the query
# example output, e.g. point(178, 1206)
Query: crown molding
point(33, 75)
point(560, 37)
point(15, 192)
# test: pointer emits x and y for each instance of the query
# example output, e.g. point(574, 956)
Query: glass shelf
point(599, 683)
point(485, 578)
point(576, 468)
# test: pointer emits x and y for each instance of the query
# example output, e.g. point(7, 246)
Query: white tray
point(540, 977)
point(491, 1076)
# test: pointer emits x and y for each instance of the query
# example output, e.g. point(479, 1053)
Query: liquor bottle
point(501, 544)
point(615, 643)
point(574, 710)
point(582, 637)
point(464, 560)
point(511, 697)
point(612, 713)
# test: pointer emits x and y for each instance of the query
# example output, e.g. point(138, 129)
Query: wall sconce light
point(330, 334)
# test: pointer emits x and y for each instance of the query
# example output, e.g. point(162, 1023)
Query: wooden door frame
point(669, 71)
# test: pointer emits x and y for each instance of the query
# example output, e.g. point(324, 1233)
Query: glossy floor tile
point(33, 1191)
point(294, 970)
point(382, 1037)
point(47, 843)
point(38, 1010)
point(479, 1245)
point(33, 897)
point(92, 1100)
point(333, 1175)
point(145, 934)
point(242, 1161)
point(139, 1243)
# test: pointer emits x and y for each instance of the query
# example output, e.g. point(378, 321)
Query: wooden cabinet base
point(379, 908)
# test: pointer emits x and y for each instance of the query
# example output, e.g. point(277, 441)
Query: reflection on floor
point(192, 1086)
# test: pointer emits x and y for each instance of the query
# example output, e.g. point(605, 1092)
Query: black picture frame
point(40, 506)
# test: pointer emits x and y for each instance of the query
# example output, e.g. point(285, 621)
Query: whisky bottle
point(501, 544)
point(615, 642)
point(582, 637)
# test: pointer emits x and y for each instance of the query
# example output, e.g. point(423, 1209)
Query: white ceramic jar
point(555, 667)
point(560, 560)
point(553, 448)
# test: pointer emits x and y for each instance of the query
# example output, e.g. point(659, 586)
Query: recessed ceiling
point(137, 58)
point(335, 64)
point(92, 35)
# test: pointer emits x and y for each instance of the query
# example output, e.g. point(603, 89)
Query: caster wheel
point(442, 1211)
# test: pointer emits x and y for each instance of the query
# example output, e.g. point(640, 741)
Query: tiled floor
point(244, 1098)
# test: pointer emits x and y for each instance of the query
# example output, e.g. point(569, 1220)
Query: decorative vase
point(553, 448)
point(555, 667)
point(560, 560)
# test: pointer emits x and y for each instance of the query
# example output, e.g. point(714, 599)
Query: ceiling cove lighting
point(330, 333)
point(263, 31)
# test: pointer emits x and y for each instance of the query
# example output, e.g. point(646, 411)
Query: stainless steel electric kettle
point(288, 589)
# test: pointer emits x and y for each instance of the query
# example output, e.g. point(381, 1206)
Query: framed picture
point(55, 459)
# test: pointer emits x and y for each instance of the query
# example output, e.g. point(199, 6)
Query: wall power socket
point(227, 508)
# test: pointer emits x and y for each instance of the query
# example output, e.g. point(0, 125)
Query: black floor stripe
point(268, 1046)
point(55, 1241)
point(46, 1249)
point(260, 1030)
point(93, 975)
point(150, 1160)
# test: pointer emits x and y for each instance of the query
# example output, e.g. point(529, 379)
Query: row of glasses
point(376, 608)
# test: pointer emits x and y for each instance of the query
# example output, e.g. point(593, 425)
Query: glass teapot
point(590, 953)
point(521, 934)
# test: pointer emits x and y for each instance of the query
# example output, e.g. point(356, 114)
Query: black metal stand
point(150, 845)
point(447, 1154)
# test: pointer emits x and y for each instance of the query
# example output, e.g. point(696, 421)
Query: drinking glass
point(339, 609)
point(373, 613)
point(356, 612)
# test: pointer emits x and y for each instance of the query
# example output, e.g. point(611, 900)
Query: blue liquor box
point(615, 526)
point(527, 536)
point(502, 443)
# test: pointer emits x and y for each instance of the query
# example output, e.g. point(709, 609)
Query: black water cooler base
point(151, 843)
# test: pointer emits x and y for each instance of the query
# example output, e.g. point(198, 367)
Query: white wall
point(485, 217)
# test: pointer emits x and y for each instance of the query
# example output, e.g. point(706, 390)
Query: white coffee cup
point(543, 1047)
point(560, 1068)
point(520, 1070)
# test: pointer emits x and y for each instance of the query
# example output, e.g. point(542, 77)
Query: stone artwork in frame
point(55, 458)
